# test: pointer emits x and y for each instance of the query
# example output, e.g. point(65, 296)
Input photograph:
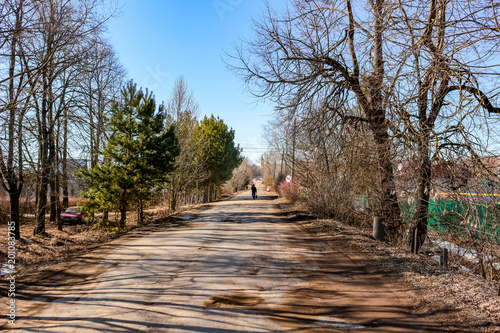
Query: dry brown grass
point(466, 298)
point(72, 240)
point(27, 206)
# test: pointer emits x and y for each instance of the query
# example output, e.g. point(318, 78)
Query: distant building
point(74, 185)
point(466, 177)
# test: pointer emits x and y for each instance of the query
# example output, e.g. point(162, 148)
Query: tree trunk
point(100, 126)
point(371, 99)
point(43, 177)
point(123, 215)
point(64, 162)
point(93, 148)
point(390, 207)
point(389, 201)
point(14, 212)
point(420, 219)
point(57, 179)
point(45, 133)
point(105, 216)
point(58, 204)
point(140, 212)
point(41, 201)
point(212, 192)
point(11, 179)
point(53, 186)
point(65, 187)
point(173, 196)
point(205, 194)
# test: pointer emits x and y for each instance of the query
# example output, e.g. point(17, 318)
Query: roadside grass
point(466, 298)
point(35, 251)
point(73, 240)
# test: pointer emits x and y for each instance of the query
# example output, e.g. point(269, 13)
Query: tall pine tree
point(139, 155)
point(219, 153)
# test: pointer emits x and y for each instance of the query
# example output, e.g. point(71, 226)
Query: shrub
point(331, 198)
point(290, 191)
point(280, 179)
point(268, 181)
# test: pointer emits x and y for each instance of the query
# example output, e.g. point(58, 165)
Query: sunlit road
point(235, 267)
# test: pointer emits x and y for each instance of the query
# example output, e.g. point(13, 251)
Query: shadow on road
point(211, 268)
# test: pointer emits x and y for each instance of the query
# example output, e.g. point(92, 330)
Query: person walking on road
point(254, 191)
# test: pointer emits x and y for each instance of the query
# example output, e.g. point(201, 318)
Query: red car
point(73, 215)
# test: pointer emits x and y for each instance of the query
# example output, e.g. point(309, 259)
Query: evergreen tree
point(139, 155)
point(219, 153)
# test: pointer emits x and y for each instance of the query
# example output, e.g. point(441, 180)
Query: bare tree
point(100, 79)
point(334, 162)
point(46, 49)
point(328, 52)
point(413, 79)
point(182, 111)
point(443, 85)
point(56, 44)
point(98, 82)
point(242, 176)
point(15, 102)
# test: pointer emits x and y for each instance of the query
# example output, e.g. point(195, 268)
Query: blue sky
point(159, 40)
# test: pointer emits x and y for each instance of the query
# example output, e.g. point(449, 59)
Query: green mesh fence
point(460, 217)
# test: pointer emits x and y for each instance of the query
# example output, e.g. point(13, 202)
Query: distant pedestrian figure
point(254, 191)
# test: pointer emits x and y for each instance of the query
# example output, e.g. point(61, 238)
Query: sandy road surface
point(235, 267)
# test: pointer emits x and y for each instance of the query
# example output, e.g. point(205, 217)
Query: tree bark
point(14, 212)
point(44, 163)
point(205, 194)
point(11, 179)
point(173, 195)
point(93, 148)
point(418, 231)
point(371, 101)
point(44, 173)
point(45, 128)
point(123, 215)
point(389, 201)
point(52, 182)
point(140, 212)
point(212, 192)
point(105, 216)
point(41, 197)
point(64, 162)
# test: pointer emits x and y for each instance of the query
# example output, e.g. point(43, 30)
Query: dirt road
point(237, 266)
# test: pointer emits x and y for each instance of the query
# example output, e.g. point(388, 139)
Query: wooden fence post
point(378, 228)
point(443, 259)
point(415, 241)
